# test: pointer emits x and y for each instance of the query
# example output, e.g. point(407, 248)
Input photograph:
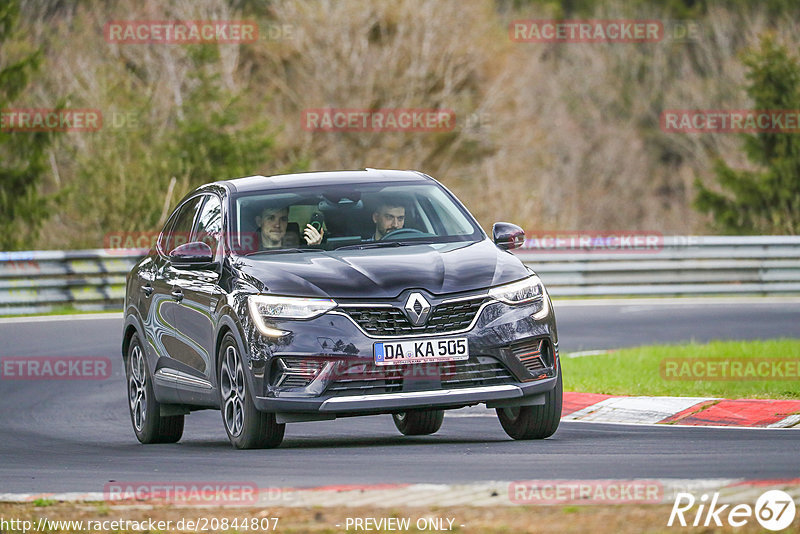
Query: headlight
point(270, 307)
point(288, 307)
point(522, 292)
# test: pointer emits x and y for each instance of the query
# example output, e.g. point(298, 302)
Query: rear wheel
point(534, 422)
point(419, 422)
point(148, 423)
point(247, 428)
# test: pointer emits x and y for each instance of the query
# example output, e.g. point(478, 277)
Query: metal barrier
point(40, 281)
point(673, 265)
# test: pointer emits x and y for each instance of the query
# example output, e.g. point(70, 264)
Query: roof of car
point(257, 183)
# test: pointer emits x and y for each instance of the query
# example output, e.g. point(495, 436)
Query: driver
point(388, 217)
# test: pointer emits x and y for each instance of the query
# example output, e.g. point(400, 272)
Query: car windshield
point(348, 216)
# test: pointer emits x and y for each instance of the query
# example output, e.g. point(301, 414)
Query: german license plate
point(421, 351)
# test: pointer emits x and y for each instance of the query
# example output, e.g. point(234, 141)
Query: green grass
point(642, 370)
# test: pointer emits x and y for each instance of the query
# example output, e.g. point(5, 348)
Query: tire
point(247, 428)
point(534, 422)
point(419, 422)
point(145, 410)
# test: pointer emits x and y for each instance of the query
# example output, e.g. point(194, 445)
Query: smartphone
point(317, 221)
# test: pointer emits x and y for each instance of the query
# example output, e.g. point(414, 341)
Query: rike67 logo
point(774, 510)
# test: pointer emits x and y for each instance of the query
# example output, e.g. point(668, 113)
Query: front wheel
point(534, 422)
point(148, 423)
point(418, 423)
point(247, 428)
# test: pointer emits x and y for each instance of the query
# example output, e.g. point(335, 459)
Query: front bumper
point(336, 344)
point(505, 394)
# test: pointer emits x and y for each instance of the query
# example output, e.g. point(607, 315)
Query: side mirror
point(507, 236)
point(194, 254)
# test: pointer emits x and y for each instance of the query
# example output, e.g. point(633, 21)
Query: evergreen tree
point(132, 175)
point(23, 155)
point(767, 201)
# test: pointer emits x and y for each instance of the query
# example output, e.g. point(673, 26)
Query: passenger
point(272, 224)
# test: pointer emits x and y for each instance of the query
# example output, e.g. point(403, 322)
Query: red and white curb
point(504, 493)
point(691, 411)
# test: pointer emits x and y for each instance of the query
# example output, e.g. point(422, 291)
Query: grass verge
point(59, 310)
point(727, 369)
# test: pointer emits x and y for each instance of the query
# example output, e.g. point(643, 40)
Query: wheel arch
point(132, 326)
point(228, 325)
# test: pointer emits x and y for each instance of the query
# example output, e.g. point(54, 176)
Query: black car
point(313, 296)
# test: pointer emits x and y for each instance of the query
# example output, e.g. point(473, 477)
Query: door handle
point(177, 294)
point(147, 290)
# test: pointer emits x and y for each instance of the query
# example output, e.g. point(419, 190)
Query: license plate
point(421, 351)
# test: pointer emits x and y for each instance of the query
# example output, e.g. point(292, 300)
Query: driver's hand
point(312, 236)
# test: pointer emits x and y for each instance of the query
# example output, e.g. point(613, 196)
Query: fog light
point(294, 372)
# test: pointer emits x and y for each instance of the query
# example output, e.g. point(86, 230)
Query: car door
point(165, 301)
point(194, 321)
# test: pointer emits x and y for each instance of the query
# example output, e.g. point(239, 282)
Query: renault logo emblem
point(417, 309)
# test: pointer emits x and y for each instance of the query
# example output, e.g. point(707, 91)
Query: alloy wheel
point(232, 387)
point(137, 390)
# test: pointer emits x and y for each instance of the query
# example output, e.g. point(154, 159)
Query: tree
point(216, 136)
point(765, 201)
point(23, 155)
point(131, 176)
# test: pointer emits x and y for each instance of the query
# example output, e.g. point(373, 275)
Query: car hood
point(385, 272)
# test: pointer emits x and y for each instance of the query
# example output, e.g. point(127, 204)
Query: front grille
point(391, 321)
point(532, 355)
point(294, 382)
point(485, 372)
point(365, 379)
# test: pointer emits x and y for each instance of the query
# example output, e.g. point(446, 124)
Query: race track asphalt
point(77, 436)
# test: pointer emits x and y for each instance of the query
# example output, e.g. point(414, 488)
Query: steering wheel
point(401, 233)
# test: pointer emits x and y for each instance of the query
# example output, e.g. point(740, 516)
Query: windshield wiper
point(283, 251)
point(376, 244)
point(383, 244)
